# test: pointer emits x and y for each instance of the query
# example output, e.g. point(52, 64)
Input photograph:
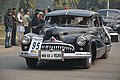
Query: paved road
point(13, 67)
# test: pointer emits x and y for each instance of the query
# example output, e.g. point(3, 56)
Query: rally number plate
point(35, 46)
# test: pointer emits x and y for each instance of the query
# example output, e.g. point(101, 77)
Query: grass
point(2, 31)
point(2, 34)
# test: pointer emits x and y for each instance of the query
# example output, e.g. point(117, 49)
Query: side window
point(100, 20)
point(96, 21)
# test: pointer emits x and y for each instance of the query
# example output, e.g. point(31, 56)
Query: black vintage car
point(111, 18)
point(68, 35)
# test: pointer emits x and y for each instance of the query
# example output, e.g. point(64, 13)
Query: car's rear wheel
point(105, 56)
point(31, 63)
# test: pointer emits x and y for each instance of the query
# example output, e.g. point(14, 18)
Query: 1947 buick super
point(67, 35)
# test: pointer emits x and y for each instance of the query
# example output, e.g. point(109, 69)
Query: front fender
point(98, 42)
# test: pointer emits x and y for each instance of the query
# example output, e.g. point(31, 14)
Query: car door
point(100, 34)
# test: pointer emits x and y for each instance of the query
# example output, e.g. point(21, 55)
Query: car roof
point(109, 10)
point(73, 12)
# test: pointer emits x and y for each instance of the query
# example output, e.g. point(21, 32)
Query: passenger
point(85, 21)
point(72, 22)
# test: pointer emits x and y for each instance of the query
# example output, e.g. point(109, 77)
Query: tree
point(27, 4)
point(43, 4)
point(98, 4)
point(5, 5)
point(60, 4)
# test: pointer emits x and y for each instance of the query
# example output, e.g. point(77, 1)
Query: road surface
point(13, 67)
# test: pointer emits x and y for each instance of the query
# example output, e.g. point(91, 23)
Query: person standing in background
point(13, 36)
point(8, 27)
point(41, 18)
point(35, 22)
point(27, 21)
point(20, 27)
point(45, 12)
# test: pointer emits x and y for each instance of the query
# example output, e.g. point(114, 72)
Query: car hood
point(66, 34)
point(110, 20)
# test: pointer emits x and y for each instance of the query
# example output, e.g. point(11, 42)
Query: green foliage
point(27, 4)
point(43, 4)
point(5, 5)
point(86, 4)
point(60, 4)
point(98, 4)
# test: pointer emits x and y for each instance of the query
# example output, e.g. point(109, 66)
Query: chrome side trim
point(100, 48)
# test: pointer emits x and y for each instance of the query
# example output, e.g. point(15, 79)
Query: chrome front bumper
point(25, 54)
point(76, 55)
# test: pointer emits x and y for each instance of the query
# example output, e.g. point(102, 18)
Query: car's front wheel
point(31, 63)
point(86, 63)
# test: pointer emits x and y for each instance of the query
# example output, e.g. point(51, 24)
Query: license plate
point(51, 55)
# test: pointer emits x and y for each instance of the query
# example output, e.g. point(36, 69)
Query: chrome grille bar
point(68, 49)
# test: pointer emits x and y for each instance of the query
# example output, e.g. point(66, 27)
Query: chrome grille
point(67, 48)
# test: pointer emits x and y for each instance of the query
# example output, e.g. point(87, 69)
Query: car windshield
point(109, 14)
point(70, 21)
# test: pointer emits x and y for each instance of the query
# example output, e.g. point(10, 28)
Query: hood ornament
point(52, 39)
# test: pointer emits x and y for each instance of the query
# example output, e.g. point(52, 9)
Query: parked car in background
point(114, 35)
point(111, 18)
point(68, 35)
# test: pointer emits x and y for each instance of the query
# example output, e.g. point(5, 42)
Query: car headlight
point(25, 40)
point(81, 41)
point(115, 27)
point(118, 21)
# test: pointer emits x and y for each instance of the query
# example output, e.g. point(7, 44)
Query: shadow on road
point(55, 65)
point(17, 63)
